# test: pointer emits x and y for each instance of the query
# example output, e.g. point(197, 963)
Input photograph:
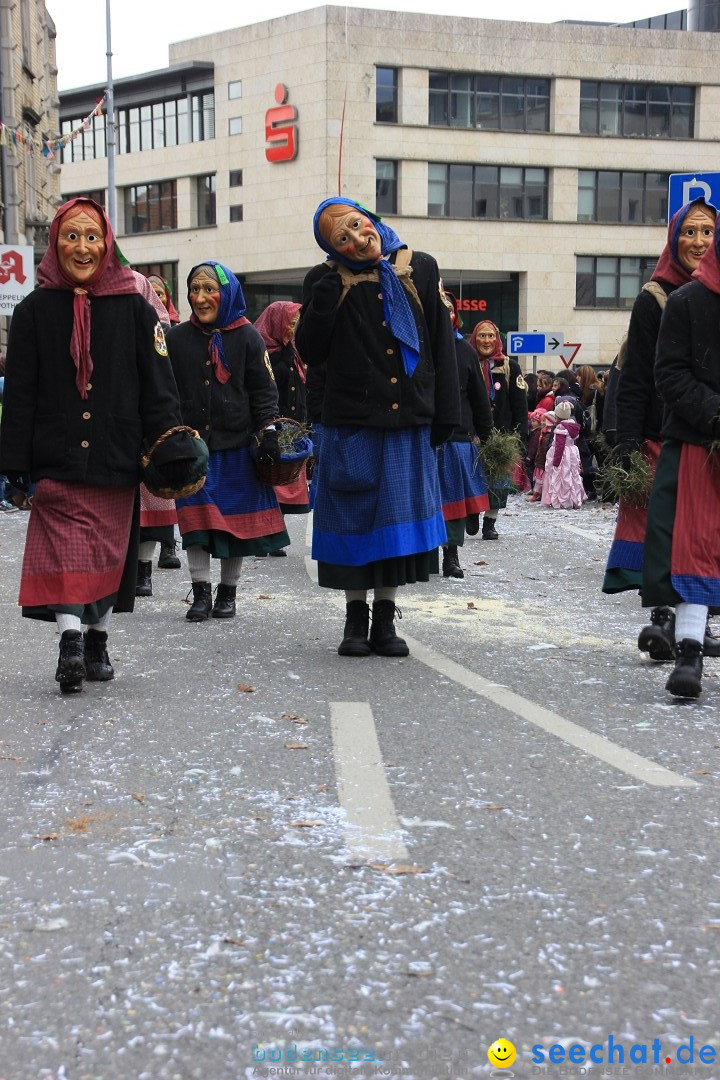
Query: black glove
point(175, 473)
point(620, 453)
point(269, 448)
point(326, 292)
point(19, 480)
point(440, 433)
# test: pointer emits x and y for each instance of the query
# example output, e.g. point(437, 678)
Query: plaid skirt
point(377, 498)
point(625, 560)
point(463, 487)
point(682, 542)
point(76, 549)
point(234, 513)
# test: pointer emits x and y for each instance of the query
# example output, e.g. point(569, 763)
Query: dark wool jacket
point(509, 407)
point(366, 384)
point(474, 400)
point(227, 414)
point(687, 366)
point(48, 430)
point(290, 386)
point(639, 408)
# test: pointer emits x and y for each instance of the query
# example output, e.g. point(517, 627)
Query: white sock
point(67, 622)
point(146, 550)
point(198, 563)
point(690, 622)
point(230, 570)
point(103, 623)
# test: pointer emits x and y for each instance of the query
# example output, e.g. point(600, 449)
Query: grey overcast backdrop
point(143, 29)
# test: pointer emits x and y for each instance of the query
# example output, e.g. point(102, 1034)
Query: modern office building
point(531, 159)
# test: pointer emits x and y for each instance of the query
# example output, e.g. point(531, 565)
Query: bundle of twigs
point(499, 455)
point(629, 479)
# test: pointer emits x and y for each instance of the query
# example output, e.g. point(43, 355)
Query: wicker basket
point(152, 477)
point(289, 467)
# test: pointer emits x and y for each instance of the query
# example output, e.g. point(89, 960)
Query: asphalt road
point(246, 848)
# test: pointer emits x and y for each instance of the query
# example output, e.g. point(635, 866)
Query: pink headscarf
point(172, 314)
point(110, 279)
point(486, 363)
point(272, 324)
point(709, 269)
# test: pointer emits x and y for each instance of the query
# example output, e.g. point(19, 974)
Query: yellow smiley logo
point(502, 1053)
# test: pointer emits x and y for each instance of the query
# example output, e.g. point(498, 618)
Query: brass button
point(395, 405)
point(207, 427)
point(208, 363)
point(84, 444)
point(89, 386)
point(379, 296)
point(207, 382)
point(393, 379)
point(390, 352)
point(86, 416)
point(384, 323)
point(292, 408)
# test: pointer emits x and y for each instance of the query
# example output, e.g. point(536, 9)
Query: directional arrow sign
point(536, 344)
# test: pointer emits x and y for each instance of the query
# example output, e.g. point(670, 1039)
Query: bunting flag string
point(24, 137)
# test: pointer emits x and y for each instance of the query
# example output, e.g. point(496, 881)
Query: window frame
point(613, 109)
point(496, 186)
point(391, 105)
point(386, 204)
point(459, 99)
point(588, 272)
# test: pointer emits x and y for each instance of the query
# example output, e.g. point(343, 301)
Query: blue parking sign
point(684, 187)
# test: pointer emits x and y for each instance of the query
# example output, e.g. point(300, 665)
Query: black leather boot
point(686, 677)
point(658, 637)
point(472, 524)
point(451, 566)
point(711, 644)
point(167, 559)
point(489, 532)
point(357, 620)
point(97, 661)
point(143, 585)
point(383, 639)
point(71, 662)
point(202, 602)
point(224, 606)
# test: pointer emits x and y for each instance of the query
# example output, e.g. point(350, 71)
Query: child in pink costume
point(562, 484)
point(547, 423)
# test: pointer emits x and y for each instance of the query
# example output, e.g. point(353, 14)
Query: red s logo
point(281, 137)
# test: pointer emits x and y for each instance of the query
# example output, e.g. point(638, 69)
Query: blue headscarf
point(229, 317)
point(398, 313)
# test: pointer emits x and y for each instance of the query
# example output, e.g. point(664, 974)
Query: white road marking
point(640, 768)
point(372, 830)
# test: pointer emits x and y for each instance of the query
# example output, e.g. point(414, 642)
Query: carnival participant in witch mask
point(115, 395)
point(373, 321)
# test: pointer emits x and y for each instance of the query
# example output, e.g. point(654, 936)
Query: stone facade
point(327, 58)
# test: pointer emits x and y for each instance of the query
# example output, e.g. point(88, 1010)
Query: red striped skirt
point(76, 544)
point(154, 511)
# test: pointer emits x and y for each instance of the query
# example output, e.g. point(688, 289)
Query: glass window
point(637, 110)
point(171, 131)
point(134, 115)
point(610, 282)
point(183, 121)
point(235, 178)
point(656, 198)
point(155, 125)
point(489, 102)
point(235, 89)
point(437, 193)
point(487, 191)
point(586, 195)
point(235, 125)
point(206, 200)
point(150, 207)
point(632, 197)
point(236, 213)
point(386, 96)
point(168, 271)
point(146, 127)
point(386, 187)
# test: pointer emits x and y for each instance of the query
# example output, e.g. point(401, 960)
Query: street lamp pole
point(110, 128)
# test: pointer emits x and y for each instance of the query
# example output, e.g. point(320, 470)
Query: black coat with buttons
point(365, 383)
point(290, 384)
point(49, 430)
point(226, 414)
point(477, 416)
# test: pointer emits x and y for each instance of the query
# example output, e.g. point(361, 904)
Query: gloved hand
point(326, 292)
point(19, 480)
point(269, 448)
point(440, 433)
point(620, 453)
point(175, 473)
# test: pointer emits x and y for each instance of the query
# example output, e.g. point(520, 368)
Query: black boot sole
point(355, 648)
point(223, 614)
point(70, 686)
point(651, 640)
